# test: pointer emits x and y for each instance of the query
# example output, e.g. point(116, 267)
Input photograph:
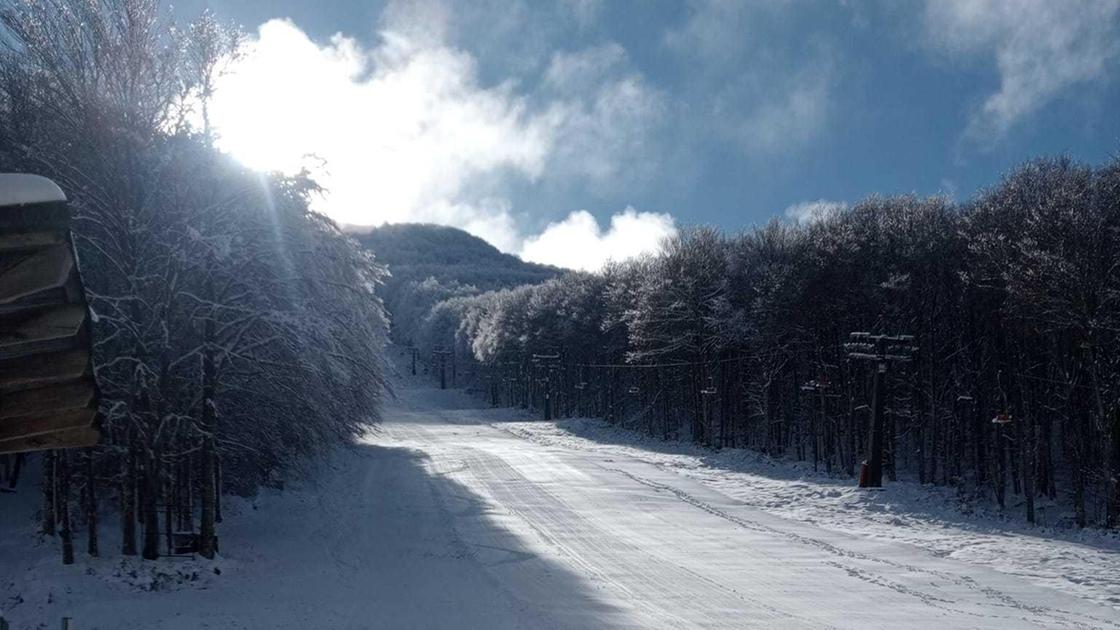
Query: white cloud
point(1040, 47)
point(427, 23)
point(797, 115)
point(759, 82)
point(601, 139)
point(720, 31)
point(514, 37)
point(584, 69)
point(602, 116)
point(813, 211)
point(585, 12)
point(400, 129)
point(579, 242)
point(406, 130)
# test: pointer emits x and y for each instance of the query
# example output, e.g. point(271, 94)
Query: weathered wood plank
point(32, 402)
point(48, 330)
point(43, 370)
point(30, 241)
point(11, 259)
point(38, 279)
point(74, 438)
point(31, 426)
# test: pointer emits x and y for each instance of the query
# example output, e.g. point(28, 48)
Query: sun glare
point(260, 119)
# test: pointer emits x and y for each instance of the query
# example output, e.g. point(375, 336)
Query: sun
point(268, 111)
point(251, 127)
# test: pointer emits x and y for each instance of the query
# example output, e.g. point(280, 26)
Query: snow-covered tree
point(236, 332)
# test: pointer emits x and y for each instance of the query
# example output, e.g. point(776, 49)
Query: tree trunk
point(1080, 469)
point(979, 434)
point(49, 496)
point(66, 533)
point(773, 433)
point(17, 465)
point(151, 484)
point(209, 467)
point(1079, 516)
point(853, 440)
point(91, 505)
point(169, 509)
point(186, 496)
point(999, 479)
point(1113, 517)
point(217, 488)
point(878, 423)
point(1028, 455)
point(128, 503)
point(208, 500)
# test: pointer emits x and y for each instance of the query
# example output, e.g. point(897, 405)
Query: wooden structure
point(48, 398)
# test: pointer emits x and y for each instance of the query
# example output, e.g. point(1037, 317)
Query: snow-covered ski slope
point(1081, 562)
point(447, 516)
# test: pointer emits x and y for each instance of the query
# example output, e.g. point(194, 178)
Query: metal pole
point(881, 349)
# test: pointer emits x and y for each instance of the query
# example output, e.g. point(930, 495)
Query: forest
point(236, 333)
point(742, 340)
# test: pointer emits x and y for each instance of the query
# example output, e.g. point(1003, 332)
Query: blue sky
point(569, 131)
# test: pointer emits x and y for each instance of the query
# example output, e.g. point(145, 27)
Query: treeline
point(739, 340)
point(236, 332)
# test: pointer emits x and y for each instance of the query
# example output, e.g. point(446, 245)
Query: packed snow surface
point(1085, 563)
point(452, 516)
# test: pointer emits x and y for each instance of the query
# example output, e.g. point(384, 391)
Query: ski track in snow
point(1084, 563)
point(448, 515)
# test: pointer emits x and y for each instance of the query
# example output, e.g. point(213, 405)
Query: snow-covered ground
point(1085, 563)
point(452, 516)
